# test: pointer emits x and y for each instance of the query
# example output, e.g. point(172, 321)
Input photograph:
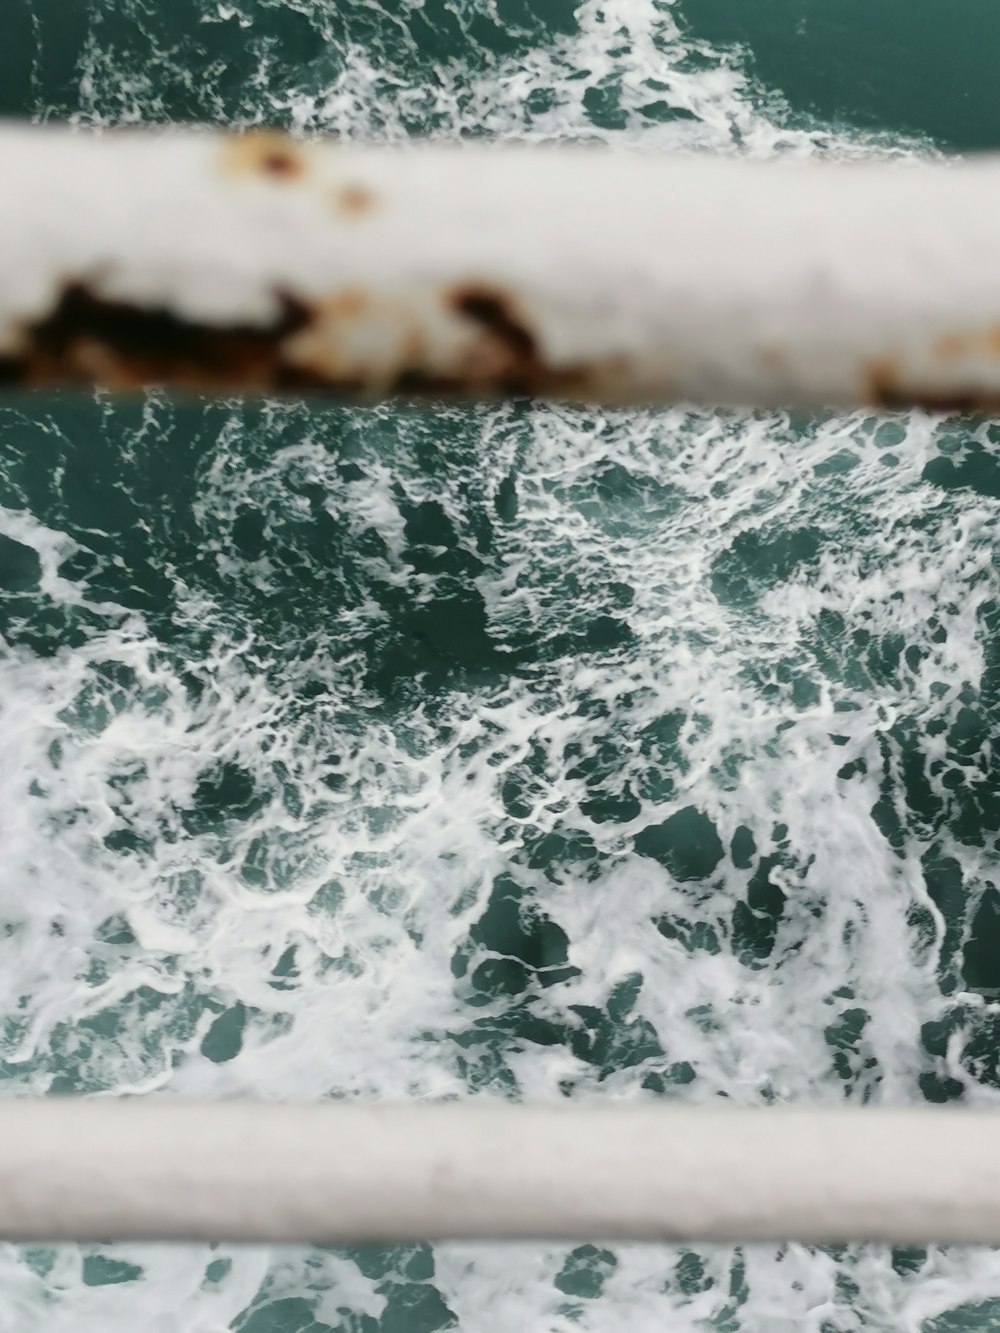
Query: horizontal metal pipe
point(167, 1170)
point(261, 263)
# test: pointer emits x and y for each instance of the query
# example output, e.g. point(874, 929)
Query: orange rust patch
point(609, 381)
point(347, 304)
point(386, 348)
point(414, 347)
point(881, 381)
point(885, 389)
point(354, 200)
point(985, 342)
point(268, 153)
point(506, 359)
point(87, 339)
point(951, 345)
point(352, 333)
point(352, 343)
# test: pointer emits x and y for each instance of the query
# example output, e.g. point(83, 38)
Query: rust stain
point(881, 382)
point(505, 356)
point(772, 358)
point(354, 200)
point(951, 346)
point(356, 332)
point(951, 402)
point(352, 343)
point(494, 312)
point(984, 342)
point(886, 389)
point(348, 304)
point(268, 153)
point(888, 386)
point(507, 361)
point(322, 348)
point(87, 339)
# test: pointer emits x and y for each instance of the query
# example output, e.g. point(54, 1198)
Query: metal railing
point(258, 263)
point(338, 1173)
point(262, 263)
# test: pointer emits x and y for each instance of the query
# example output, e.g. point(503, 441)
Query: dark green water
point(520, 752)
point(907, 68)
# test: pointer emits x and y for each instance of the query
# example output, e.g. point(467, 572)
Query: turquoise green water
point(518, 752)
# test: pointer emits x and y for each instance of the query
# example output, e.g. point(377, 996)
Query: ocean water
point(509, 752)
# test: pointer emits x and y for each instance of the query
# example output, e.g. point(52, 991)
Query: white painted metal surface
point(103, 1170)
point(256, 262)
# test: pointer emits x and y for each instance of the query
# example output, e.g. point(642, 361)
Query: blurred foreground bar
point(258, 263)
point(349, 1173)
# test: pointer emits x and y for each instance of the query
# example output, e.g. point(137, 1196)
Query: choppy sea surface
point(515, 752)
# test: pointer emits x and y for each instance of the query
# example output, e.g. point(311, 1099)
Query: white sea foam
point(321, 906)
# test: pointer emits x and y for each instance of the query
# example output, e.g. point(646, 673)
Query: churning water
point(517, 752)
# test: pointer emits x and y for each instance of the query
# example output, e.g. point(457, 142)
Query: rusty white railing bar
point(236, 263)
point(167, 1170)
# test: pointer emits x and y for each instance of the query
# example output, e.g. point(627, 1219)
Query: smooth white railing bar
point(103, 1170)
point(257, 262)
